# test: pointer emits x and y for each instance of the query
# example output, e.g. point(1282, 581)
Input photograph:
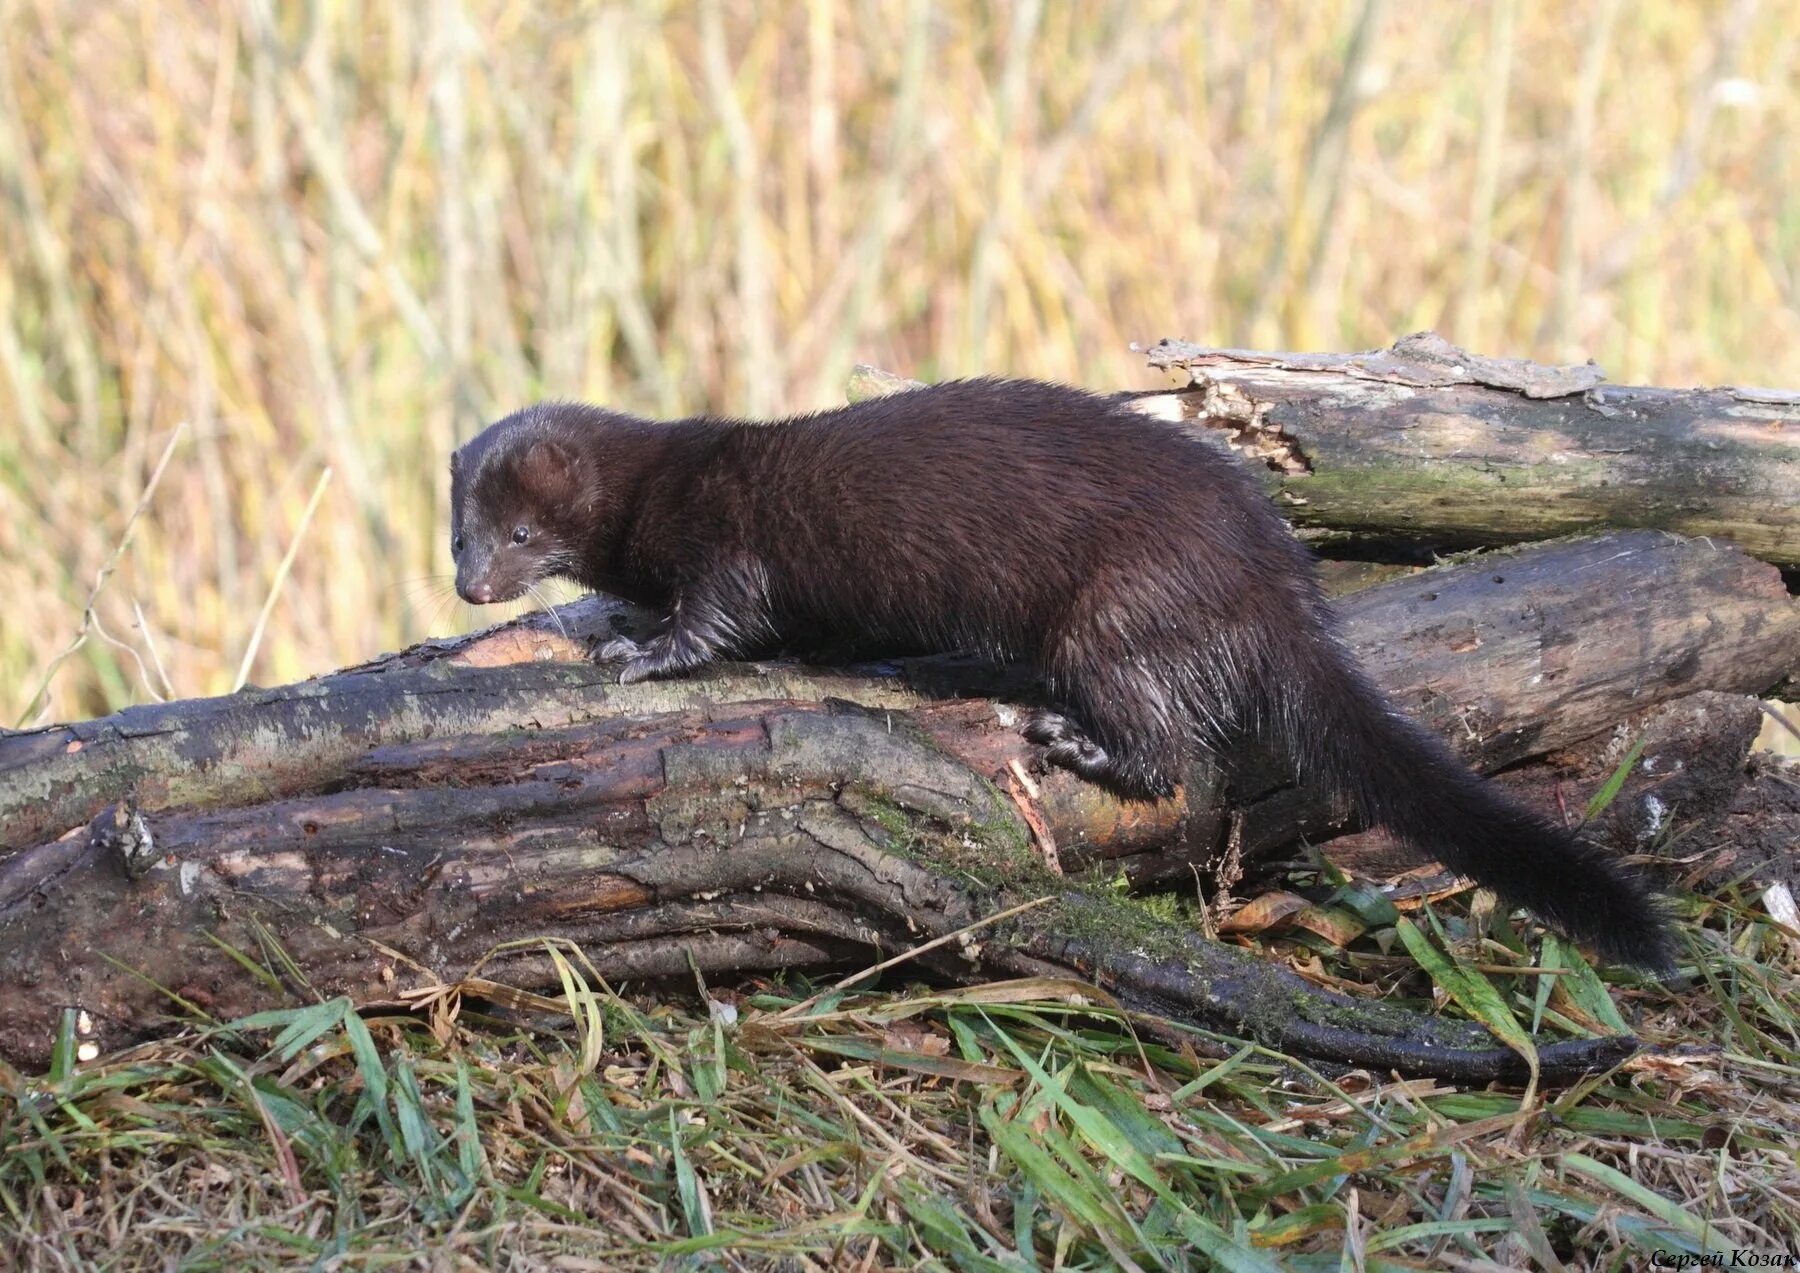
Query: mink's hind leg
point(1109, 673)
point(1066, 745)
point(1135, 767)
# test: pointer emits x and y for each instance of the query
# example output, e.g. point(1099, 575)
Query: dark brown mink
point(1160, 598)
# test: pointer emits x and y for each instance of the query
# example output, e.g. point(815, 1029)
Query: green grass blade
point(1669, 1213)
point(1472, 991)
point(1609, 790)
point(688, 1189)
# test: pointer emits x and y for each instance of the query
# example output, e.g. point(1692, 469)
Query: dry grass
point(344, 234)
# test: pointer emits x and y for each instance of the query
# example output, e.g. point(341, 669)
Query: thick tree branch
point(1427, 445)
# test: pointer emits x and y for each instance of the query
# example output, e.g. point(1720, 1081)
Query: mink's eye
point(456, 546)
point(521, 534)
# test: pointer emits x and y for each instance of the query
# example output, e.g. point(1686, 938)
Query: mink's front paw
point(641, 662)
point(642, 668)
point(621, 647)
point(659, 657)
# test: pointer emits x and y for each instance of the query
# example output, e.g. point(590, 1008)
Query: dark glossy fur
point(1160, 596)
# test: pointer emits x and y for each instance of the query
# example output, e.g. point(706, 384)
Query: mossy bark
point(1425, 446)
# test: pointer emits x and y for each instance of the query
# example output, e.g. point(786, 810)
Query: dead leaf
point(1262, 913)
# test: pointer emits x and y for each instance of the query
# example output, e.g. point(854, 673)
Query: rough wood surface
point(798, 837)
point(393, 822)
point(1691, 758)
point(1427, 445)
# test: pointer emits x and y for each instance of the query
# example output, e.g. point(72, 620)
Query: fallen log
point(1426, 447)
point(792, 838)
point(1507, 655)
point(397, 821)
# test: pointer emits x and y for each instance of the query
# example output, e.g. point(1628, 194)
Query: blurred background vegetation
point(344, 234)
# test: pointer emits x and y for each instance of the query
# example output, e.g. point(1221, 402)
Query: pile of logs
point(390, 827)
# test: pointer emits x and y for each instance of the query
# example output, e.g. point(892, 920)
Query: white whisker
point(548, 609)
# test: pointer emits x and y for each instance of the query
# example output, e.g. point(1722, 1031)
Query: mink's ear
point(547, 470)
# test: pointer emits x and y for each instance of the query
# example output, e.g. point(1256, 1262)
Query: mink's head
point(523, 499)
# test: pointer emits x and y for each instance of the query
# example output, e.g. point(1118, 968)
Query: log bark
point(798, 837)
point(1425, 447)
point(395, 822)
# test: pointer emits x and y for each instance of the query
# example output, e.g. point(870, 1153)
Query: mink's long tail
point(1406, 781)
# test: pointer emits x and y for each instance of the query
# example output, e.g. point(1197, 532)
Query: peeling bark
point(1425, 446)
